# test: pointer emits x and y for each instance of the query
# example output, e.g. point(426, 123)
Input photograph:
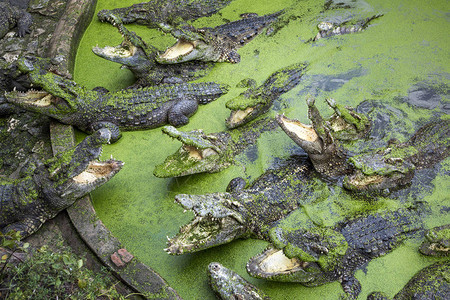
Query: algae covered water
point(399, 67)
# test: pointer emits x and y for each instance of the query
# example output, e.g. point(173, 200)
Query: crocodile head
point(40, 102)
point(437, 242)
point(346, 123)
point(245, 108)
point(58, 97)
point(256, 101)
point(192, 44)
point(323, 148)
point(218, 220)
point(136, 13)
point(76, 172)
point(218, 44)
point(229, 285)
point(385, 169)
point(300, 255)
point(199, 153)
point(133, 52)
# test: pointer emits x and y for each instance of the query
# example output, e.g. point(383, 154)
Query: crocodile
point(437, 242)
point(432, 282)
point(243, 212)
point(394, 166)
point(45, 188)
point(139, 57)
point(313, 255)
point(227, 284)
point(153, 13)
point(321, 139)
point(256, 101)
point(328, 29)
point(384, 168)
point(218, 44)
point(212, 152)
point(130, 109)
point(12, 16)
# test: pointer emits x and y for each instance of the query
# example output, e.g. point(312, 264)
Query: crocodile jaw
point(238, 117)
point(189, 160)
point(125, 53)
point(185, 50)
point(303, 135)
point(110, 52)
point(203, 233)
point(181, 48)
point(31, 98)
point(214, 224)
point(98, 171)
point(94, 175)
point(272, 264)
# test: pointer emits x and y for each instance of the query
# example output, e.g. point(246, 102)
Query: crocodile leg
point(351, 287)
point(115, 131)
point(25, 226)
point(179, 113)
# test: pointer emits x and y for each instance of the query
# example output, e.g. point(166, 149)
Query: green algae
point(138, 207)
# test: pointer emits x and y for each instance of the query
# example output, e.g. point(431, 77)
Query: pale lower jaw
point(176, 52)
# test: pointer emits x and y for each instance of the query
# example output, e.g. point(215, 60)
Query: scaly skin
point(46, 188)
point(161, 11)
point(218, 44)
point(130, 109)
point(313, 255)
point(227, 284)
point(139, 58)
point(431, 282)
point(12, 16)
point(437, 242)
point(328, 29)
point(394, 166)
point(381, 169)
point(212, 152)
point(243, 213)
point(257, 101)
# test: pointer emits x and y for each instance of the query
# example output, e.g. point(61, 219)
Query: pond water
point(401, 61)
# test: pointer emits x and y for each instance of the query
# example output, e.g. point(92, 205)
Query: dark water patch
point(429, 95)
point(316, 84)
point(420, 187)
point(252, 153)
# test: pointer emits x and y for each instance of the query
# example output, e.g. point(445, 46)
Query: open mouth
point(201, 233)
point(33, 97)
point(123, 50)
point(98, 171)
point(187, 160)
point(127, 49)
point(197, 153)
point(237, 116)
point(210, 227)
point(359, 181)
point(173, 54)
point(297, 129)
point(272, 262)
